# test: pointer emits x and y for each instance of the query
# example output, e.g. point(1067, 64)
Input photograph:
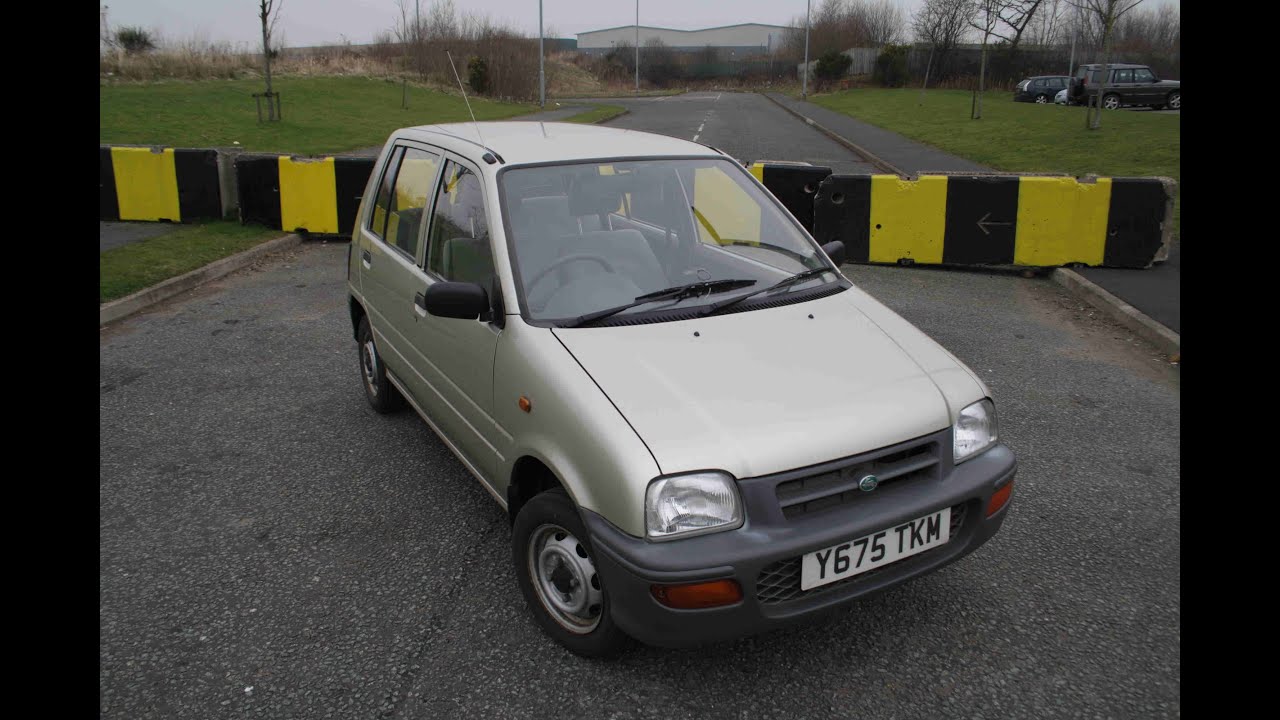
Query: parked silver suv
point(698, 426)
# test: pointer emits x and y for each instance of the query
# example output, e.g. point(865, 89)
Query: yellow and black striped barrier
point(1027, 220)
point(317, 195)
point(143, 183)
point(794, 184)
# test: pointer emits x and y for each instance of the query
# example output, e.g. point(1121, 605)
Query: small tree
point(135, 40)
point(832, 65)
point(478, 74)
point(269, 14)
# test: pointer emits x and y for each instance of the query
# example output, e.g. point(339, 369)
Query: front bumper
point(768, 541)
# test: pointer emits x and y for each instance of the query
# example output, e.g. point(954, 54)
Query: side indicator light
point(698, 595)
point(526, 404)
point(1000, 498)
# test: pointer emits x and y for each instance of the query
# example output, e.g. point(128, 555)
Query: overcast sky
point(321, 22)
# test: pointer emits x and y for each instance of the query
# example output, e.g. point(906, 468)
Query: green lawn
point(321, 114)
point(138, 265)
point(1023, 137)
point(597, 114)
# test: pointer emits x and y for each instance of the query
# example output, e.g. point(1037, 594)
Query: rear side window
point(1124, 76)
point(459, 247)
point(402, 198)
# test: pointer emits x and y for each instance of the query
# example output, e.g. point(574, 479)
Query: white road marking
point(700, 127)
point(695, 138)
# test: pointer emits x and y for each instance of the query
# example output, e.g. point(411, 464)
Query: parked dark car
point(1130, 85)
point(1040, 89)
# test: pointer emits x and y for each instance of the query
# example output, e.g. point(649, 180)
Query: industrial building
point(742, 40)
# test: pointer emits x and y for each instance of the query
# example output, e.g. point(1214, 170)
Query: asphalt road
point(747, 126)
point(271, 548)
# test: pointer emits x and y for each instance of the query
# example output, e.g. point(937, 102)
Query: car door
point(459, 353)
point(1144, 87)
point(390, 248)
point(1122, 81)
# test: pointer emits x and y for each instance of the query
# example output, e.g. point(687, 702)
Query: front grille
point(808, 495)
point(780, 581)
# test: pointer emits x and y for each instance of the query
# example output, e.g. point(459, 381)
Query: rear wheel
point(557, 575)
point(1111, 101)
point(1042, 99)
point(378, 390)
point(1175, 100)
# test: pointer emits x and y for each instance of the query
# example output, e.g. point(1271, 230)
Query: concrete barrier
point(794, 184)
point(319, 196)
point(156, 183)
point(1026, 220)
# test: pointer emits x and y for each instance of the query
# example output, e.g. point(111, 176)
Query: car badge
point(869, 483)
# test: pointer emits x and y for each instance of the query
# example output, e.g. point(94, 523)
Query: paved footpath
point(1155, 291)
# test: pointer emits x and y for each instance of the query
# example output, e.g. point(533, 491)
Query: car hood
point(760, 392)
point(1170, 83)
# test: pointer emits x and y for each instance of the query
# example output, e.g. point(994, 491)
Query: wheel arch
point(357, 313)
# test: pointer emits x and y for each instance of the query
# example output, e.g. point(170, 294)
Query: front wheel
point(1111, 102)
point(381, 394)
point(1175, 101)
point(557, 575)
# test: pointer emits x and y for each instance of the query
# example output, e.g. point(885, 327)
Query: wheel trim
point(369, 363)
point(1111, 102)
point(1041, 99)
point(565, 581)
point(1175, 101)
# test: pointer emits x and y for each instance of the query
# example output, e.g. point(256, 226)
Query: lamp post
point(637, 46)
point(542, 76)
point(804, 89)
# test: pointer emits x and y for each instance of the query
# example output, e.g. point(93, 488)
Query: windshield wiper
point(716, 307)
point(679, 292)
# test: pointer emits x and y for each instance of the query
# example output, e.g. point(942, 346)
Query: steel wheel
point(1175, 100)
point(565, 579)
point(1111, 102)
point(369, 363)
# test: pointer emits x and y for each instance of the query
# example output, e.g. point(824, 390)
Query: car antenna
point(464, 98)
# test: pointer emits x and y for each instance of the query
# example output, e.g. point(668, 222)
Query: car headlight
point(975, 430)
point(691, 505)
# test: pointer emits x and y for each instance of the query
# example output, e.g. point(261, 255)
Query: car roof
point(523, 142)
point(1114, 65)
point(1041, 77)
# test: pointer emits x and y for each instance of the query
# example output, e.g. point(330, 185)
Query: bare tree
point(1014, 16)
point(942, 24)
point(885, 23)
point(269, 14)
point(1105, 13)
point(985, 20)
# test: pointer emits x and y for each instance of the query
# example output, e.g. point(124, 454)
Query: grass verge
point(320, 114)
point(597, 114)
point(1023, 137)
point(130, 268)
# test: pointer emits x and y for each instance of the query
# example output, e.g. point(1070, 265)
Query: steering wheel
point(561, 262)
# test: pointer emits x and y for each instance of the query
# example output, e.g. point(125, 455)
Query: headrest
point(588, 197)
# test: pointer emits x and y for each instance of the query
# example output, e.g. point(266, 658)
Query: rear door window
point(1124, 76)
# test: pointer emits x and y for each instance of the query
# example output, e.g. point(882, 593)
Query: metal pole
point(542, 77)
point(637, 45)
point(804, 88)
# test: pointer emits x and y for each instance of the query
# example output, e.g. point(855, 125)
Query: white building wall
point(733, 36)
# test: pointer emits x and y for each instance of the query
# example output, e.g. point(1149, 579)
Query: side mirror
point(460, 300)
point(835, 251)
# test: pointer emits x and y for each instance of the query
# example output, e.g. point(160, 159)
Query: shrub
point(832, 65)
point(891, 66)
point(135, 40)
point(478, 74)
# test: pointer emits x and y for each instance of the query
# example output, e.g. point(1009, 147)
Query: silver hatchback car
point(698, 426)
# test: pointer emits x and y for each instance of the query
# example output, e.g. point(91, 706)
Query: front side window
point(1143, 75)
point(587, 237)
point(458, 250)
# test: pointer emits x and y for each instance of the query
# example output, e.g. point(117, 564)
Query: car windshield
point(589, 237)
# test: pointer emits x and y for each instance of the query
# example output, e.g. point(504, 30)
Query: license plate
point(876, 550)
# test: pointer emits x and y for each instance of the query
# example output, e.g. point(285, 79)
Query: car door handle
point(420, 304)
point(366, 257)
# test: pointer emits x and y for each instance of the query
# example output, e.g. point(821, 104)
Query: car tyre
point(1111, 101)
point(551, 550)
point(378, 390)
point(1042, 99)
point(1174, 100)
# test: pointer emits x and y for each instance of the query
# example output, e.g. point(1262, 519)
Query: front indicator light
point(698, 595)
point(1000, 498)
